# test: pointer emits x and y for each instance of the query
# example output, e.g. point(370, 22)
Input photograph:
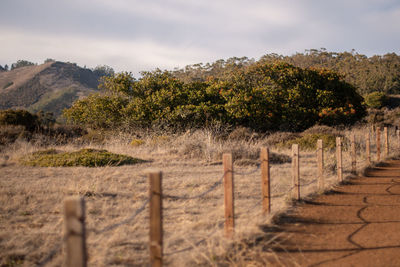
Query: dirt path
point(356, 224)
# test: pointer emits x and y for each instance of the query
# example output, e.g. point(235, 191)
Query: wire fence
point(329, 170)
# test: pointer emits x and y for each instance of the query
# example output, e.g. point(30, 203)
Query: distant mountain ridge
point(50, 87)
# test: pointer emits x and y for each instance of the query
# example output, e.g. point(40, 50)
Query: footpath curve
point(355, 224)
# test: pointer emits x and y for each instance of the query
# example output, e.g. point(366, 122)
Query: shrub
point(322, 129)
point(242, 133)
point(20, 117)
point(375, 100)
point(10, 133)
point(83, 157)
point(279, 137)
point(261, 97)
point(309, 141)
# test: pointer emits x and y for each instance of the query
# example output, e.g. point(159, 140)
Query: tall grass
point(31, 198)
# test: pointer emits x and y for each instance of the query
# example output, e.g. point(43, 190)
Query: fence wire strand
point(126, 221)
point(212, 188)
point(51, 255)
point(247, 173)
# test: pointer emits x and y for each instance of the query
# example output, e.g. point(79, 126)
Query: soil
point(355, 224)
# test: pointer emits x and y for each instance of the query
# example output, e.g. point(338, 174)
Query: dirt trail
point(356, 224)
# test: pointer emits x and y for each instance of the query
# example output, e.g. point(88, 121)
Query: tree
point(103, 70)
point(262, 96)
point(49, 60)
point(21, 63)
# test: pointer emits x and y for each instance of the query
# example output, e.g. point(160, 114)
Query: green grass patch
point(85, 157)
point(309, 141)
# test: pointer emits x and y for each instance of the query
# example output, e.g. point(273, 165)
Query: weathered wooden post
point(386, 140)
point(156, 229)
point(229, 195)
point(378, 144)
point(295, 172)
point(265, 181)
point(339, 158)
point(368, 147)
point(75, 232)
point(353, 154)
point(320, 160)
point(398, 139)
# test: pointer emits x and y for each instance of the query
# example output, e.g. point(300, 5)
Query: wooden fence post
point(320, 159)
point(295, 172)
point(368, 148)
point(386, 136)
point(228, 195)
point(398, 138)
point(156, 230)
point(339, 158)
point(265, 181)
point(353, 154)
point(378, 144)
point(75, 232)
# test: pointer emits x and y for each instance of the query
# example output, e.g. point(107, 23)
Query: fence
point(74, 208)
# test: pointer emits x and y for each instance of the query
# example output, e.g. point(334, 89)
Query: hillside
point(50, 87)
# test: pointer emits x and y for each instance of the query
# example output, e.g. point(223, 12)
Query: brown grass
point(31, 200)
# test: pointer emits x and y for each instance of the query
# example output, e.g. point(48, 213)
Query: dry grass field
point(31, 199)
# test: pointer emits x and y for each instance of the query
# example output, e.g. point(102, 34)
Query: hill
point(50, 87)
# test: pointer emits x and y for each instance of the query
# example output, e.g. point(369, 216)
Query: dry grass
point(31, 200)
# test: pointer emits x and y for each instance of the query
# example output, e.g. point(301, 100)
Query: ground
point(355, 224)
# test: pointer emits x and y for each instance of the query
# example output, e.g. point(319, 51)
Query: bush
point(279, 137)
point(322, 129)
point(262, 97)
point(309, 141)
point(83, 157)
point(21, 117)
point(375, 100)
point(10, 133)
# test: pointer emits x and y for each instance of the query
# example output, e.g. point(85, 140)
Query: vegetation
point(83, 157)
point(367, 74)
point(376, 100)
point(103, 70)
point(309, 141)
point(19, 117)
point(55, 101)
point(261, 97)
point(21, 63)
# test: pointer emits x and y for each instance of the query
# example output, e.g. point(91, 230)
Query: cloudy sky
point(133, 35)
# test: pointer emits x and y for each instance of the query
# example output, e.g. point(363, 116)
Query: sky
point(134, 35)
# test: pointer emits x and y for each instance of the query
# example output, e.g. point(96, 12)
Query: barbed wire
point(309, 183)
point(283, 194)
point(126, 221)
point(219, 225)
point(50, 256)
point(212, 188)
point(247, 173)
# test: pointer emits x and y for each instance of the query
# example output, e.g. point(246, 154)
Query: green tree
point(21, 63)
point(103, 70)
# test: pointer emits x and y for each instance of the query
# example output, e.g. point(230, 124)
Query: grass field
point(31, 199)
